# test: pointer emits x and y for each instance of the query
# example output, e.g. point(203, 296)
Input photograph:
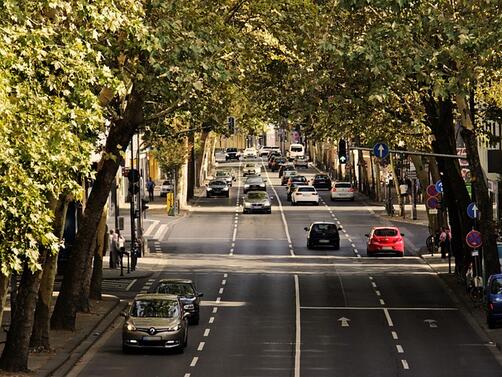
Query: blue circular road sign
point(439, 186)
point(473, 211)
point(474, 239)
point(432, 202)
point(381, 150)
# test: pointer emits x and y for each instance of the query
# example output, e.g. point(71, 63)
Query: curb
point(61, 364)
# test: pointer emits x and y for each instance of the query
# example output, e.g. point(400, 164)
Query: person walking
point(113, 246)
point(442, 242)
point(150, 186)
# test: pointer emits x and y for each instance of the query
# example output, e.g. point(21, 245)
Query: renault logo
point(151, 330)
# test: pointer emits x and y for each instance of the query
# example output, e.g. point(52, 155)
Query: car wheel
point(490, 323)
point(336, 246)
point(126, 349)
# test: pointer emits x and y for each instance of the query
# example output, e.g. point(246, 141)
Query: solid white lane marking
point(206, 332)
point(394, 335)
point(405, 364)
point(215, 309)
point(194, 361)
point(220, 291)
point(283, 217)
point(399, 348)
point(375, 308)
point(382, 302)
point(387, 316)
point(201, 346)
point(298, 329)
point(211, 319)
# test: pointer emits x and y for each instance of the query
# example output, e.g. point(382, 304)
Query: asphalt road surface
point(271, 307)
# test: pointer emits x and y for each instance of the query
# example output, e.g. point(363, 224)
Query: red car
point(385, 240)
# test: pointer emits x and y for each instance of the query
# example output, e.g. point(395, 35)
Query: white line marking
point(130, 284)
point(211, 319)
point(151, 279)
point(352, 245)
point(223, 282)
point(350, 240)
point(373, 284)
point(399, 348)
point(150, 229)
point(382, 302)
point(206, 332)
point(378, 293)
point(161, 232)
point(389, 320)
point(338, 222)
point(220, 291)
point(187, 375)
point(375, 308)
point(394, 335)
point(194, 361)
point(201, 346)
point(405, 364)
point(359, 255)
point(371, 277)
point(225, 275)
point(215, 309)
point(233, 244)
point(218, 299)
point(231, 252)
point(298, 329)
point(356, 251)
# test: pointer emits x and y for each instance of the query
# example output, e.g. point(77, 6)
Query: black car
point(187, 294)
point(217, 187)
point(254, 183)
point(285, 167)
point(321, 181)
point(277, 163)
point(323, 234)
point(231, 154)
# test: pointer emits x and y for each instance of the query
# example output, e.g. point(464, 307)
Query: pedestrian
point(112, 245)
point(403, 190)
point(442, 242)
point(150, 185)
point(447, 241)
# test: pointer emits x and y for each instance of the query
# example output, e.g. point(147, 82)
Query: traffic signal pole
point(132, 196)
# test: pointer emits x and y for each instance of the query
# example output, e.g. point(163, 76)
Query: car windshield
point(165, 183)
point(296, 149)
point(231, 149)
point(325, 228)
point(221, 173)
point(343, 185)
point(385, 232)
point(497, 286)
point(257, 195)
point(178, 289)
point(254, 180)
point(299, 178)
point(250, 165)
point(321, 177)
point(306, 189)
point(217, 183)
point(155, 309)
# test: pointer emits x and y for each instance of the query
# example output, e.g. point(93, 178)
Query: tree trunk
point(83, 304)
point(4, 288)
point(191, 167)
point(121, 132)
point(15, 354)
point(486, 224)
point(200, 165)
point(97, 270)
point(423, 177)
point(395, 179)
point(40, 334)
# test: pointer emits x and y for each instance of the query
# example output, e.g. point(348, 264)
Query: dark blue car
point(494, 300)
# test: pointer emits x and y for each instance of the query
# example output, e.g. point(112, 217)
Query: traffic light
point(342, 151)
point(231, 125)
point(144, 203)
point(133, 177)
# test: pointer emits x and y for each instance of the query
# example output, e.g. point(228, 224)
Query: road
point(273, 308)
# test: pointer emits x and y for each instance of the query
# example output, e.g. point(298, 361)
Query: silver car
point(155, 321)
point(226, 175)
point(257, 201)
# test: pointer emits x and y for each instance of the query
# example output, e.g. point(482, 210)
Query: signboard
point(473, 211)
point(473, 239)
point(439, 186)
point(433, 211)
point(381, 150)
point(431, 190)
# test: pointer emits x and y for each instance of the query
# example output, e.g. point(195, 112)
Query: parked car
point(494, 300)
point(277, 163)
point(225, 175)
point(385, 240)
point(155, 321)
point(187, 293)
point(305, 194)
point(257, 201)
point(217, 187)
point(323, 233)
point(284, 167)
point(254, 183)
point(286, 175)
point(342, 190)
point(231, 154)
point(301, 161)
point(251, 168)
point(166, 187)
point(321, 181)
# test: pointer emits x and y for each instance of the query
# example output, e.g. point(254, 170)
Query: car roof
point(185, 281)
point(218, 180)
point(323, 222)
point(155, 296)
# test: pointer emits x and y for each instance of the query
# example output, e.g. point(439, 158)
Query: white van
point(296, 150)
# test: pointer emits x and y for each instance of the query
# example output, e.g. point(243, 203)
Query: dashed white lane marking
point(405, 364)
point(194, 361)
point(206, 332)
point(233, 244)
point(371, 277)
point(298, 329)
point(215, 309)
point(131, 284)
point(350, 240)
point(356, 251)
point(378, 293)
point(382, 302)
point(399, 348)
point(225, 275)
point(359, 255)
point(220, 291)
point(223, 282)
point(389, 320)
point(187, 375)
point(373, 284)
point(218, 299)
point(338, 222)
point(211, 319)
point(394, 335)
point(352, 245)
point(201, 346)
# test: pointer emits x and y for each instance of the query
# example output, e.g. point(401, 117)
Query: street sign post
point(473, 211)
point(381, 150)
point(473, 239)
point(439, 186)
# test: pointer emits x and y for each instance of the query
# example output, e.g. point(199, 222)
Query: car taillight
point(333, 189)
point(351, 189)
point(490, 306)
point(314, 193)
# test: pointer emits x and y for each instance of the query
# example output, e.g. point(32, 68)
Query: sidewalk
point(475, 314)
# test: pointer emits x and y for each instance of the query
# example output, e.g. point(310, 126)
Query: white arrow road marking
point(431, 322)
point(344, 321)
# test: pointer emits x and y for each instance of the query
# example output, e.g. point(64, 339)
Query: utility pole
point(133, 223)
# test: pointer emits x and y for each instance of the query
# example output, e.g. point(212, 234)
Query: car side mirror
point(124, 314)
point(200, 294)
point(340, 228)
point(402, 235)
point(306, 228)
point(367, 235)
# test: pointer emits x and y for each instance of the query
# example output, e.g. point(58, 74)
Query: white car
point(342, 190)
point(166, 187)
point(305, 194)
point(251, 169)
point(264, 151)
point(301, 161)
point(249, 153)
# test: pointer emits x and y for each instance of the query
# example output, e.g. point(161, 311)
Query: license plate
point(323, 241)
point(151, 338)
point(387, 248)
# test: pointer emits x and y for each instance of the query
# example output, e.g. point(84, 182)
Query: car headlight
point(175, 328)
point(209, 189)
point(267, 204)
point(262, 184)
point(131, 327)
point(247, 205)
point(246, 186)
point(225, 188)
point(188, 306)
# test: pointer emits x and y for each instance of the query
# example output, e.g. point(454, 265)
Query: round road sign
point(431, 190)
point(473, 211)
point(433, 203)
point(381, 150)
point(439, 186)
point(474, 239)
